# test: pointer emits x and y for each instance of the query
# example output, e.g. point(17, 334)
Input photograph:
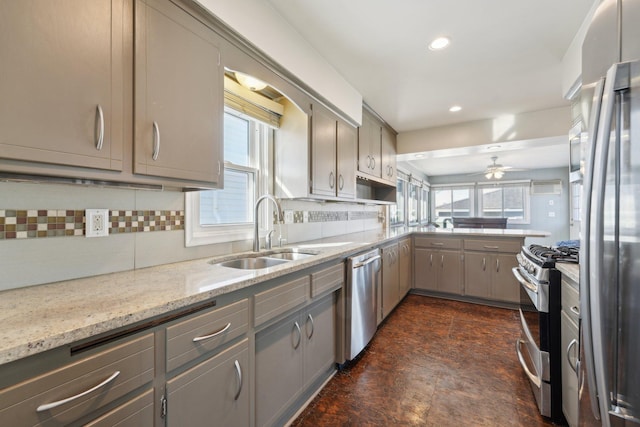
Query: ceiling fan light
point(249, 82)
point(498, 174)
point(488, 175)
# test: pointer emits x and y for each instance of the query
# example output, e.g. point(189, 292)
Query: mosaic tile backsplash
point(39, 223)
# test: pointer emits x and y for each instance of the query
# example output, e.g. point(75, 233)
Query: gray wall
point(541, 205)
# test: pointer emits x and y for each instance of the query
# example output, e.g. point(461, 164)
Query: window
point(507, 200)
point(215, 216)
point(413, 201)
point(397, 212)
point(452, 201)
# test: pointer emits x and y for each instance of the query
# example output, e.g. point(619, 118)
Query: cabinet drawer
point(570, 300)
point(438, 243)
point(109, 374)
point(508, 246)
point(328, 279)
point(137, 412)
point(282, 298)
point(196, 336)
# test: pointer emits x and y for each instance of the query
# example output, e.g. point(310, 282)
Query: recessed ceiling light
point(439, 43)
point(455, 108)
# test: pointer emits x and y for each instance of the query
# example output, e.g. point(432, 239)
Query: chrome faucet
point(447, 220)
point(256, 238)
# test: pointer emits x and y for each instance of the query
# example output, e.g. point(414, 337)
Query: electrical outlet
point(305, 216)
point(288, 216)
point(96, 222)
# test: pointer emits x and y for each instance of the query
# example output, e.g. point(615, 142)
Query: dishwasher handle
point(367, 262)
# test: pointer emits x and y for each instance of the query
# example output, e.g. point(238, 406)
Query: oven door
point(532, 349)
point(538, 292)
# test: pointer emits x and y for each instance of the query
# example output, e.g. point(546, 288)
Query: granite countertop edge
point(42, 317)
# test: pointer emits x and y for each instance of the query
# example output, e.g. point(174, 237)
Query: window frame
point(471, 187)
point(526, 187)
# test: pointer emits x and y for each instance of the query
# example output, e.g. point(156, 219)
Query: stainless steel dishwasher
point(363, 278)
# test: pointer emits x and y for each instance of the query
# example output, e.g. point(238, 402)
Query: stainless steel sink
point(259, 260)
point(291, 256)
point(253, 263)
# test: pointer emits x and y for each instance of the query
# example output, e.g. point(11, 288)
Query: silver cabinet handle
point(212, 335)
point(99, 127)
point(297, 327)
point(374, 162)
point(313, 326)
point(340, 182)
point(575, 310)
point(239, 378)
point(52, 405)
point(491, 247)
point(532, 377)
point(437, 243)
point(442, 261)
point(156, 141)
point(497, 265)
point(484, 263)
point(332, 180)
point(431, 260)
point(569, 347)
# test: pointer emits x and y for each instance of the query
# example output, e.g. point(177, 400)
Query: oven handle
point(535, 380)
point(524, 282)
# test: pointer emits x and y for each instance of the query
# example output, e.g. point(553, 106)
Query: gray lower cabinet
point(214, 391)
point(61, 91)
point(390, 289)
point(438, 270)
point(290, 355)
point(404, 265)
point(178, 102)
point(569, 338)
point(73, 392)
point(489, 276)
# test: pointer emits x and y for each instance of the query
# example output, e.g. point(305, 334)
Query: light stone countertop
point(43, 317)
point(571, 270)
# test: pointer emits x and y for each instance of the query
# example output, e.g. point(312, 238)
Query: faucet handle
point(267, 239)
point(281, 241)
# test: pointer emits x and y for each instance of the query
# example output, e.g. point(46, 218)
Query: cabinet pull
point(442, 261)
point(340, 182)
point(431, 260)
point(99, 130)
point(484, 263)
point(373, 161)
point(332, 180)
point(156, 141)
point(497, 265)
point(575, 310)
point(569, 347)
point(297, 344)
point(313, 326)
point(52, 405)
point(214, 334)
point(491, 247)
point(239, 378)
point(437, 243)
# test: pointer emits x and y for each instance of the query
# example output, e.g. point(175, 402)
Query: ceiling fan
point(496, 170)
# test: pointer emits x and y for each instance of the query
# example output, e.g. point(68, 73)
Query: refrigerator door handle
point(586, 366)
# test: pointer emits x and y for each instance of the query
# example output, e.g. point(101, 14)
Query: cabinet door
point(425, 265)
point(279, 369)
point(404, 266)
point(369, 146)
point(137, 412)
point(390, 287)
point(504, 286)
point(477, 272)
point(217, 389)
point(450, 274)
point(61, 90)
point(347, 146)
point(178, 95)
point(388, 153)
point(320, 339)
point(569, 346)
point(323, 152)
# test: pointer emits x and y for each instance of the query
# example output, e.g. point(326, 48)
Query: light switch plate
point(96, 222)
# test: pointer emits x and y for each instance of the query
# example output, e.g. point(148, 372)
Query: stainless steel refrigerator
point(609, 362)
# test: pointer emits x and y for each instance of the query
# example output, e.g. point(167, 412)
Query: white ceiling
point(505, 56)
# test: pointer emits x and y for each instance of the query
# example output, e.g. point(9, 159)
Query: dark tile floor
point(433, 362)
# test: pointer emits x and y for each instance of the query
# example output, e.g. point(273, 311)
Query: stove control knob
point(531, 269)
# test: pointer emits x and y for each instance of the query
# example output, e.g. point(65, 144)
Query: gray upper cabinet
point(330, 151)
point(388, 150)
point(61, 90)
point(369, 139)
point(347, 146)
point(178, 100)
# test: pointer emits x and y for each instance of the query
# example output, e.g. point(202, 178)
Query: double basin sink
point(265, 259)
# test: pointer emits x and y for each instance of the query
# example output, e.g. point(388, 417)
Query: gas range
point(536, 260)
